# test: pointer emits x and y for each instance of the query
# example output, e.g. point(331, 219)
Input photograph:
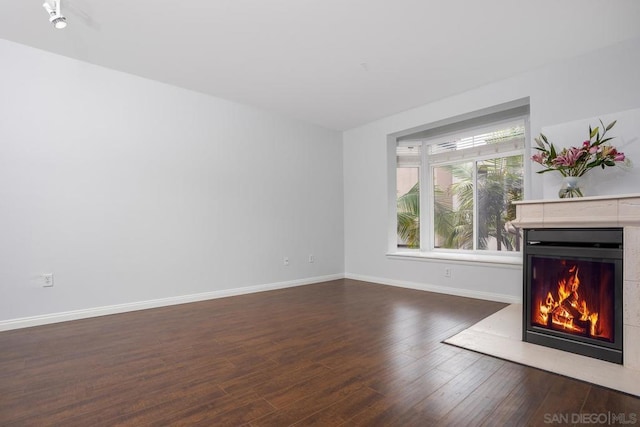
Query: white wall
point(130, 190)
point(589, 86)
point(624, 178)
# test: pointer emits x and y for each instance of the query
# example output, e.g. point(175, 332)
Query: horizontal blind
point(494, 139)
point(408, 154)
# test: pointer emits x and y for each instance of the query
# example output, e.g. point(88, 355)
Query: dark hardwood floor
point(337, 353)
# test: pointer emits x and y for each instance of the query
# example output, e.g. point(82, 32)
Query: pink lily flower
point(539, 158)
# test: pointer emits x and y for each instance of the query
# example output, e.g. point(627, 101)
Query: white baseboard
point(46, 319)
point(510, 299)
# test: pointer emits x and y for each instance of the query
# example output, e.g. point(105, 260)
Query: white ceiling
point(336, 63)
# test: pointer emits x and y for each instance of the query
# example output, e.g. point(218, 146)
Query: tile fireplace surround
point(500, 335)
point(590, 212)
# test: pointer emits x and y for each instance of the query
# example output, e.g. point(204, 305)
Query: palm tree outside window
point(465, 183)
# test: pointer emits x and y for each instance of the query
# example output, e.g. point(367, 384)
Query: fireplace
point(573, 281)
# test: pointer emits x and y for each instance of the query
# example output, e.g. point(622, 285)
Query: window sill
point(471, 259)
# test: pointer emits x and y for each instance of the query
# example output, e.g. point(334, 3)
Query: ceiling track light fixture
point(55, 16)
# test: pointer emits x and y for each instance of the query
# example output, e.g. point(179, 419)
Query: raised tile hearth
point(500, 335)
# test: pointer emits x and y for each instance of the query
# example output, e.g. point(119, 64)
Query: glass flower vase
point(571, 187)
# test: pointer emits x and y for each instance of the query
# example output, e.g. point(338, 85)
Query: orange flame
point(568, 307)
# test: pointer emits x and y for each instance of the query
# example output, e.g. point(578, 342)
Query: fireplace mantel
point(599, 211)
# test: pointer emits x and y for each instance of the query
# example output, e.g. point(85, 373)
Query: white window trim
point(427, 251)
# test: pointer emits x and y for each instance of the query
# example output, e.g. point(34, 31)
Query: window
point(455, 188)
point(408, 195)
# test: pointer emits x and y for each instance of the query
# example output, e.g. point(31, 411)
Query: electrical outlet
point(47, 280)
point(285, 261)
point(447, 272)
point(312, 258)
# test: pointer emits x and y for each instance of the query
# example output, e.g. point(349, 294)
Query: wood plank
point(521, 404)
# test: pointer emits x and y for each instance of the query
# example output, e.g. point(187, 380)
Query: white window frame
point(506, 113)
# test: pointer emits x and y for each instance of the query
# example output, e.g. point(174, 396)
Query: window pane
point(471, 172)
point(499, 184)
point(408, 199)
point(453, 206)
